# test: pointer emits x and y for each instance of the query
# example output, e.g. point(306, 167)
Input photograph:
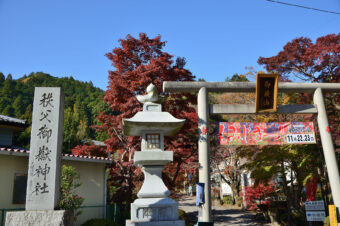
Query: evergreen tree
point(2, 79)
point(8, 111)
point(83, 102)
point(18, 107)
point(8, 90)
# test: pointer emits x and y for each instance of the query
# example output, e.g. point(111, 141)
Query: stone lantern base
point(154, 211)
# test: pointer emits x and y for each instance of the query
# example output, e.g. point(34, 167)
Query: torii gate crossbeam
point(235, 87)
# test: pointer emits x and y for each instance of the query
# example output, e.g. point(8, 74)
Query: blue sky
point(218, 38)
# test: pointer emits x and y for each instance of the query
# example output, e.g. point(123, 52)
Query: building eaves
point(17, 151)
point(6, 120)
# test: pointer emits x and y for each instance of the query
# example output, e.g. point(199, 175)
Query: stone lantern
point(153, 206)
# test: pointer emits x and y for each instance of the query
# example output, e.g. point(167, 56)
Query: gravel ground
point(222, 215)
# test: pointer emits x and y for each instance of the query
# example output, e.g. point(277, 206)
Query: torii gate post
point(204, 110)
point(328, 147)
point(204, 152)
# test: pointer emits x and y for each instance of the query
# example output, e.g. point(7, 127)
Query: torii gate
point(204, 110)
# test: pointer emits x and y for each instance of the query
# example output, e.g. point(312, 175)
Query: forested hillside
point(83, 102)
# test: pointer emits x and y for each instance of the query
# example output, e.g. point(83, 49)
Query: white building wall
point(9, 166)
point(92, 189)
point(91, 176)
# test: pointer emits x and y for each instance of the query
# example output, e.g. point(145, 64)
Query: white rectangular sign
point(314, 205)
point(315, 215)
point(300, 138)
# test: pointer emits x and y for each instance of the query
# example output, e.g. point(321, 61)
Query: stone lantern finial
point(151, 95)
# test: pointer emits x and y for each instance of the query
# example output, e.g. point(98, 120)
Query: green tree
point(9, 111)
point(71, 123)
point(2, 79)
point(17, 100)
point(22, 138)
point(237, 78)
point(7, 95)
point(290, 165)
point(28, 114)
point(8, 88)
point(19, 108)
point(69, 182)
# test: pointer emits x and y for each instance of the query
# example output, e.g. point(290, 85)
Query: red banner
point(270, 133)
point(311, 186)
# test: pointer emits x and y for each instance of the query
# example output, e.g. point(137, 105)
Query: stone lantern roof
point(156, 121)
point(152, 118)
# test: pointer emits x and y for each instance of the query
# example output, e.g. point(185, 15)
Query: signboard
point(332, 215)
point(262, 133)
point(315, 215)
point(226, 189)
point(315, 210)
point(315, 205)
point(266, 92)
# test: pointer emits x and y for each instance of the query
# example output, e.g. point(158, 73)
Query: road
point(222, 215)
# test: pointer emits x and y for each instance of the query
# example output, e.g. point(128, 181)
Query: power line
point(304, 7)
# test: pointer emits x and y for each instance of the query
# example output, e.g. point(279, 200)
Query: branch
point(336, 106)
point(177, 171)
point(222, 176)
point(120, 165)
point(123, 155)
point(118, 135)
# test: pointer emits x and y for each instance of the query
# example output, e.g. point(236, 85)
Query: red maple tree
point(90, 150)
point(308, 61)
point(314, 62)
point(139, 62)
point(257, 195)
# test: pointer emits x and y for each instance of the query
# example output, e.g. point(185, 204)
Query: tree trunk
point(235, 192)
point(221, 191)
point(286, 191)
point(177, 171)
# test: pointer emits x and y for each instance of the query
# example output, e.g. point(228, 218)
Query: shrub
point(181, 214)
point(69, 200)
point(239, 201)
point(297, 218)
point(228, 200)
point(255, 195)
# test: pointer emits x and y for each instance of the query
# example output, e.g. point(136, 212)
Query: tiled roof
point(4, 118)
point(12, 150)
point(85, 157)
